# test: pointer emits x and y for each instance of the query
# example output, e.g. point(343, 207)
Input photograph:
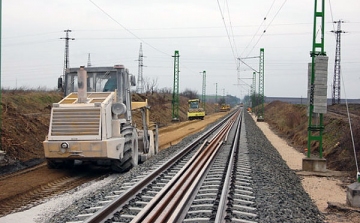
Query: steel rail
point(166, 205)
point(220, 214)
point(108, 211)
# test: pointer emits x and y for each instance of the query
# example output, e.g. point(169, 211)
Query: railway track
point(192, 186)
point(237, 182)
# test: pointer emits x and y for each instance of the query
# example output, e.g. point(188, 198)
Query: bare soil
point(174, 133)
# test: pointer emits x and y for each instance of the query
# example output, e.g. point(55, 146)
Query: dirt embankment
point(25, 120)
point(26, 116)
point(290, 121)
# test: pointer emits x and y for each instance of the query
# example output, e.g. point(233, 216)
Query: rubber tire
point(52, 164)
point(68, 164)
point(130, 154)
point(156, 143)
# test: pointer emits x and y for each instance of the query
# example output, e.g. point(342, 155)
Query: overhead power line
point(266, 28)
point(227, 32)
point(332, 17)
point(231, 27)
point(258, 28)
point(128, 30)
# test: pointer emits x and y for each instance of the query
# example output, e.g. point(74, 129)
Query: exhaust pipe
point(82, 89)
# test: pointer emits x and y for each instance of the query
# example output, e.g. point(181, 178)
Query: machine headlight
point(64, 145)
point(118, 108)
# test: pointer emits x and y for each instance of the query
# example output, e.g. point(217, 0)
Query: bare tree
point(150, 85)
point(191, 94)
point(165, 90)
point(221, 101)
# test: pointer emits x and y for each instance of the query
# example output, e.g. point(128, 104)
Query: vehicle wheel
point(156, 138)
point(69, 164)
point(130, 153)
point(52, 164)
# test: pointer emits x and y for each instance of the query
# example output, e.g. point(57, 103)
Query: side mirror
point(60, 83)
point(132, 80)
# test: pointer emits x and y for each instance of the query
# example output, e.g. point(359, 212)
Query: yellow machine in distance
point(194, 111)
point(225, 108)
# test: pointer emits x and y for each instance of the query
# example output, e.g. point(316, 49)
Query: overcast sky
point(112, 30)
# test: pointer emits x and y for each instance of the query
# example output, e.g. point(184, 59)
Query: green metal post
point(203, 97)
point(216, 93)
point(216, 99)
point(253, 91)
point(175, 96)
point(261, 86)
point(317, 49)
point(0, 61)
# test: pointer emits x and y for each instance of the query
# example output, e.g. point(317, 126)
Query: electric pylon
point(175, 96)
point(88, 61)
point(337, 70)
point(66, 57)
point(203, 96)
point(140, 81)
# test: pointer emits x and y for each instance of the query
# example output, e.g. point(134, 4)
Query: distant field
point(304, 100)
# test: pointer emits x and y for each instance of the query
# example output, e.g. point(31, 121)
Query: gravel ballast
point(279, 194)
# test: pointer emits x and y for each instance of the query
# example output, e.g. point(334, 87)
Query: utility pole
point(253, 91)
point(88, 62)
point(140, 81)
point(224, 95)
point(216, 101)
point(260, 114)
point(216, 85)
point(0, 57)
point(66, 57)
point(175, 96)
point(317, 87)
point(336, 82)
point(203, 97)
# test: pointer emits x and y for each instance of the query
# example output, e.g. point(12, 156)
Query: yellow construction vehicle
point(225, 108)
point(195, 111)
point(93, 122)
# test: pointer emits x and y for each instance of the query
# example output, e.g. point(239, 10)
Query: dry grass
point(291, 122)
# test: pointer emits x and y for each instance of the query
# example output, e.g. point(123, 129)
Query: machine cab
point(99, 79)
